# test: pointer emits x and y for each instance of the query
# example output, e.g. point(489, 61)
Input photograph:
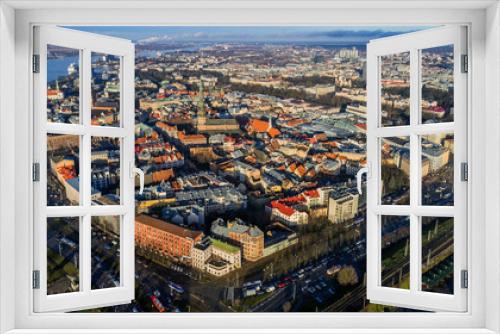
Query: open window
point(84, 116)
point(417, 153)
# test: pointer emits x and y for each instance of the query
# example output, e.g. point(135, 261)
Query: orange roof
point(295, 122)
point(273, 132)
point(250, 159)
point(301, 171)
point(140, 140)
point(257, 125)
point(331, 155)
point(53, 91)
point(163, 175)
point(167, 227)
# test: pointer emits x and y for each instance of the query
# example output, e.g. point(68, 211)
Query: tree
point(347, 276)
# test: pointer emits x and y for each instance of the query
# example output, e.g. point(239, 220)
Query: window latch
point(464, 171)
point(465, 63)
point(36, 63)
point(36, 172)
point(464, 279)
point(36, 279)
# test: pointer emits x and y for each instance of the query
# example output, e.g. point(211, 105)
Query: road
point(357, 296)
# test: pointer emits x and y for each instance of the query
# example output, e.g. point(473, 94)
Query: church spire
point(201, 116)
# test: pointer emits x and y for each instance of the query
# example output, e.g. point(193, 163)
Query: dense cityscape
point(250, 153)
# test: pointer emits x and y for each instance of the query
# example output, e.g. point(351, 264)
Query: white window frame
point(414, 43)
point(85, 44)
point(16, 20)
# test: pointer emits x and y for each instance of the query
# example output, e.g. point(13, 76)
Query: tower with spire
point(201, 116)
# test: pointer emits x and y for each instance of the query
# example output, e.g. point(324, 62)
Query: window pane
point(105, 252)
point(63, 85)
point(63, 255)
point(395, 170)
point(105, 171)
point(395, 89)
point(437, 254)
point(437, 169)
point(395, 252)
point(63, 181)
point(105, 90)
point(437, 84)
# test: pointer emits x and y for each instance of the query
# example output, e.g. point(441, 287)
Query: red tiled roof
point(286, 210)
point(361, 126)
point(311, 193)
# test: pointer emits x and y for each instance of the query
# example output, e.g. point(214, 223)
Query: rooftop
point(224, 246)
point(167, 227)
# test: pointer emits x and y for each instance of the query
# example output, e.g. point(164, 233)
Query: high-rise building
point(342, 206)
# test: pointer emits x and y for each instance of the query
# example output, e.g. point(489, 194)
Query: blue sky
point(333, 35)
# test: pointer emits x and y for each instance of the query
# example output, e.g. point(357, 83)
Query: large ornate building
point(250, 238)
point(209, 125)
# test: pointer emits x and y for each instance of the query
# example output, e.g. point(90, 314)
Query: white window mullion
point(414, 170)
point(86, 252)
point(85, 173)
point(406, 210)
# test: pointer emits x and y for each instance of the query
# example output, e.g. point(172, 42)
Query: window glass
point(63, 255)
point(395, 89)
point(437, 169)
point(105, 170)
point(106, 90)
point(63, 85)
point(395, 250)
point(63, 170)
point(437, 254)
point(395, 170)
point(437, 84)
point(105, 252)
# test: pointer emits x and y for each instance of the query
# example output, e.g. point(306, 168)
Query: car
point(249, 292)
point(269, 288)
point(281, 285)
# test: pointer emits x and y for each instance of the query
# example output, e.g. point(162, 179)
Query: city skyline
point(235, 34)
